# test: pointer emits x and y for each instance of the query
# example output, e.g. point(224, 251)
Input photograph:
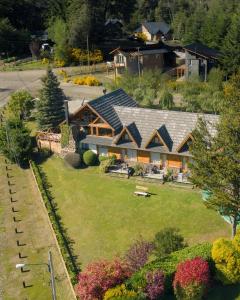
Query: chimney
point(66, 111)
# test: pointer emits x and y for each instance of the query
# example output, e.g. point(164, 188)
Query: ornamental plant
point(90, 158)
point(120, 292)
point(137, 255)
point(155, 284)
point(101, 276)
point(192, 279)
point(226, 255)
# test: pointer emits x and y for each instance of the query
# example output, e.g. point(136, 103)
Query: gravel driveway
point(31, 80)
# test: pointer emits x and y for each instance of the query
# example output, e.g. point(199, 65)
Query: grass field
point(36, 239)
point(103, 217)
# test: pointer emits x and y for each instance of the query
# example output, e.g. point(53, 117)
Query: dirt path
point(32, 240)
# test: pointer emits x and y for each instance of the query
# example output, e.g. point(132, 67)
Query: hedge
point(169, 264)
point(63, 242)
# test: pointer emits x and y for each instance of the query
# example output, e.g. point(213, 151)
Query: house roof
point(155, 27)
point(104, 106)
point(173, 126)
point(121, 111)
point(144, 49)
point(202, 50)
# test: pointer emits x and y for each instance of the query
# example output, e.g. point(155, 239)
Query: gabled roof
point(173, 126)
point(184, 142)
point(202, 50)
point(132, 135)
point(156, 27)
point(104, 106)
point(156, 132)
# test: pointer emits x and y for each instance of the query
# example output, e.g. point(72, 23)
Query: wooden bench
point(141, 191)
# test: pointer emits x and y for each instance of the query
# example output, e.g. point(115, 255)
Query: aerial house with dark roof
point(199, 60)
point(154, 31)
point(114, 124)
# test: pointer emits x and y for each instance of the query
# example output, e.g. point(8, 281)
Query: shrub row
point(55, 220)
point(169, 264)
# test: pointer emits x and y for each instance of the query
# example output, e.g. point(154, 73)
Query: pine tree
point(216, 166)
point(231, 47)
point(51, 103)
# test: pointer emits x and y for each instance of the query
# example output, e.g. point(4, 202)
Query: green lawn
point(103, 217)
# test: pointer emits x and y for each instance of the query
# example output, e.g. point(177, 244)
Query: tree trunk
point(234, 226)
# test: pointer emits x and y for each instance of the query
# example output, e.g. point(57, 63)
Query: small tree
point(166, 99)
point(51, 103)
point(192, 279)
point(100, 276)
point(167, 241)
point(137, 255)
point(216, 166)
point(20, 105)
point(15, 141)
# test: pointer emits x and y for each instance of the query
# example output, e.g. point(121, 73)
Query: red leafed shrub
point(155, 284)
point(192, 279)
point(99, 277)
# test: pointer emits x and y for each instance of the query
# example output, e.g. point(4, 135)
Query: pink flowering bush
point(99, 277)
point(155, 284)
point(192, 279)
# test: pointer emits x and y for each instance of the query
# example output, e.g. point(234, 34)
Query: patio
point(151, 171)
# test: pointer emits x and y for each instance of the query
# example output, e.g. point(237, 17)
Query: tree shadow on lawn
point(66, 243)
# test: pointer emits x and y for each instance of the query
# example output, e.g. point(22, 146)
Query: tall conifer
point(51, 103)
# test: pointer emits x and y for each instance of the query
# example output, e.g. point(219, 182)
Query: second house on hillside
point(154, 31)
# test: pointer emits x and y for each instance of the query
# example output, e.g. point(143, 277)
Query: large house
point(146, 57)
point(114, 124)
point(154, 31)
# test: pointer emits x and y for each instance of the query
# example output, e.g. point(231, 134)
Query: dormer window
point(155, 140)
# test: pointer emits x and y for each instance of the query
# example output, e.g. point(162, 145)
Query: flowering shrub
point(120, 291)
point(138, 254)
point(62, 73)
point(155, 284)
point(87, 80)
point(192, 279)
point(80, 55)
point(99, 277)
point(59, 63)
point(226, 255)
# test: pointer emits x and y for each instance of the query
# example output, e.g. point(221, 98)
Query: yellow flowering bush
point(59, 63)
point(142, 36)
point(62, 73)
point(87, 80)
point(226, 255)
point(45, 61)
point(120, 291)
point(81, 55)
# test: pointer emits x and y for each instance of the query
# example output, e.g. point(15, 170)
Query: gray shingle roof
point(173, 126)
point(155, 27)
point(104, 106)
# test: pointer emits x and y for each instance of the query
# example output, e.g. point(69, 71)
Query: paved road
point(31, 80)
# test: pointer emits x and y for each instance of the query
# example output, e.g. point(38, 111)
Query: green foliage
point(166, 99)
point(65, 135)
point(15, 140)
point(20, 105)
point(226, 255)
point(73, 160)
point(138, 169)
point(90, 158)
point(169, 264)
point(60, 233)
point(216, 165)
point(106, 163)
point(231, 47)
point(167, 241)
point(58, 32)
point(120, 292)
point(51, 103)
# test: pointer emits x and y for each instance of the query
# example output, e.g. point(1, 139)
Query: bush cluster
point(120, 292)
point(59, 232)
point(192, 279)
point(100, 276)
point(106, 162)
point(87, 80)
point(226, 255)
